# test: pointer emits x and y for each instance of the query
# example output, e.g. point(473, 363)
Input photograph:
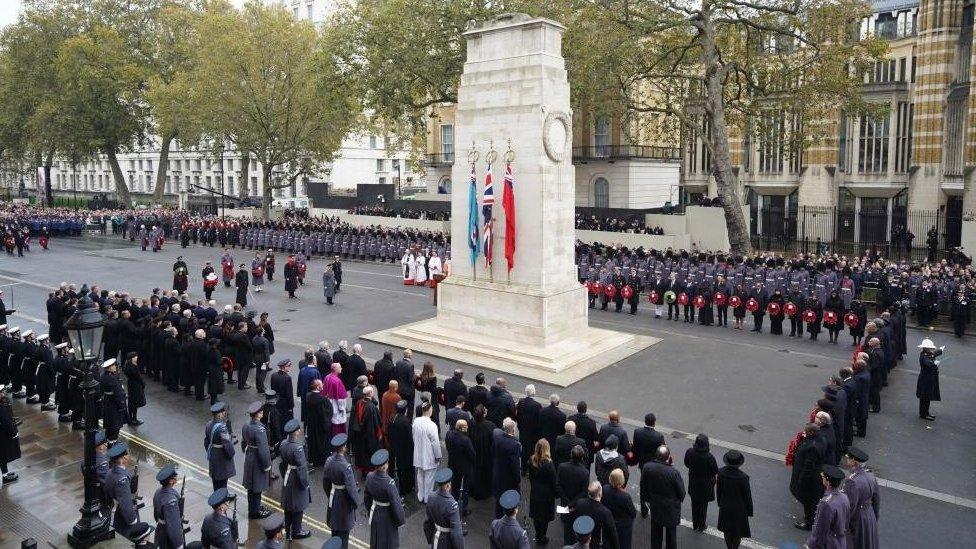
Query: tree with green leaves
point(667, 67)
point(270, 86)
point(725, 68)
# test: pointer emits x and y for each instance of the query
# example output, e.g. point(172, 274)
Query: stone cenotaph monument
point(531, 322)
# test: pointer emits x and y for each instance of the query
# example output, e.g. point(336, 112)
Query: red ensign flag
point(508, 204)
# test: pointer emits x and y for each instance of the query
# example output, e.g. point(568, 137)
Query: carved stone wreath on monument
point(555, 135)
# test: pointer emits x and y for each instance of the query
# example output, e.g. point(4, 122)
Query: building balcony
point(611, 153)
point(439, 160)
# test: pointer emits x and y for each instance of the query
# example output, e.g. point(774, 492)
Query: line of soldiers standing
point(326, 237)
point(689, 282)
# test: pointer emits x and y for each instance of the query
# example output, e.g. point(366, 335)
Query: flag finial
point(509, 154)
point(473, 154)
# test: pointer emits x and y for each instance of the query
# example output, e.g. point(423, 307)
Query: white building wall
point(634, 184)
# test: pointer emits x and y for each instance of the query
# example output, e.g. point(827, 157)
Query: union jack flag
point(487, 204)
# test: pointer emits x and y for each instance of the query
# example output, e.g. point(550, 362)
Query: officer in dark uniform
point(257, 461)
point(219, 446)
point(443, 523)
point(274, 533)
point(118, 487)
point(167, 512)
point(382, 499)
point(295, 491)
point(583, 528)
point(114, 406)
point(217, 531)
point(339, 483)
point(506, 533)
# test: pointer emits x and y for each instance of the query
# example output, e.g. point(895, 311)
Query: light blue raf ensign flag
point(474, 242)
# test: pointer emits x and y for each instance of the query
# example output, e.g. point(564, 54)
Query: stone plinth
point(533, 320)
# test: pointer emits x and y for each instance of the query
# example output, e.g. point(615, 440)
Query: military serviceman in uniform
point(506, 533)
point(583, 528)
point(219, 447)
point(167, 512)
point(257, 461)
point(218, 529)
point(274, 533)
point(443, 523)
point(382, 499)
point(114, 405)
point(833, 513)
point(339, 483)
point(862, 490)
point(118, 487)
point(295, 492)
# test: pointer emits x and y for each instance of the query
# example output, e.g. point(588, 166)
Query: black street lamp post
point(85, 332)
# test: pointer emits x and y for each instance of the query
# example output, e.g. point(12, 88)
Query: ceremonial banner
point(473, 242)
point(508, 204)
point(487, 205)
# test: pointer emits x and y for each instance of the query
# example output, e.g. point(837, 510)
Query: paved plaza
point(747, 391)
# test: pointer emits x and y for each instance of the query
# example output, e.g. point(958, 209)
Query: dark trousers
point(198, 387)
point(699, 510)
point(874, 393)
point(618, 303)
point(663, 533)
point(673, 307)
point(253, 503)
point(757, 320)
point(218, 483)
point(459, 491)
point(133, 412)
point(809, 511)
point(569, 537)
point(213, 398)
point(723, 315)
point(689, 312)
point(796, 325)
point(731, 543)
point(242, 375)
point(541, 528)
point(259, 377)
point(923, 407)
point(293, 523)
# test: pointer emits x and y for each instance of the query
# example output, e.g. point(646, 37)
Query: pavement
point(747, 391)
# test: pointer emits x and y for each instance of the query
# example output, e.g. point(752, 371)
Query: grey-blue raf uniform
point(443, 523)
point(118, 488)
point(166, 512)
point(220, 449)
point(506, 533)
point(217, 530)
point(382, 499)
point(340, 486)
point(295, 492)
point(257, 460)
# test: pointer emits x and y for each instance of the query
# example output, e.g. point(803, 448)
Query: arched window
point(601, 193)
point(444, 187)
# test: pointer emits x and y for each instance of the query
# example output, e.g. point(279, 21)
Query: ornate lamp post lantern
point(85, 329)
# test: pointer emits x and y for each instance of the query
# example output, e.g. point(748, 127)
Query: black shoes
point(10, 477)
point(803, 526)
point(301, 535)
point(261, 514)
point(135, 423)
point(928, 418)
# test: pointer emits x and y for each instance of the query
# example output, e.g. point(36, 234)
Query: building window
point(382, 181)
point(699, 158)
point(873, 142)
point(903, 138)
point(955, 132)
point(254, 186)
point(230, 185)
point(447, 141)
point(311, 12)
point(601, 136)
point(444, 187)
point(372, 141)
point(601, 193)
point(846, 142)
point(380, 165)
point(771, 146)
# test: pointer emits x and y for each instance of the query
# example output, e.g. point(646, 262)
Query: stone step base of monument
point(561, 364)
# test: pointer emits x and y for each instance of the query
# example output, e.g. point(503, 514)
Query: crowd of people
point(809, 292)
point(404, 213)
point(634, 225)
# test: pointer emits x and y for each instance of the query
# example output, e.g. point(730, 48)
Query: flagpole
point(490, 158)
point(473, 156)
point(509, 158)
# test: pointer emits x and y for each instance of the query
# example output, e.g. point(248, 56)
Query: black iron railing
point(624, 152)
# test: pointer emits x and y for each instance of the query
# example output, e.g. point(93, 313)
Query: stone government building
point(910, 167)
